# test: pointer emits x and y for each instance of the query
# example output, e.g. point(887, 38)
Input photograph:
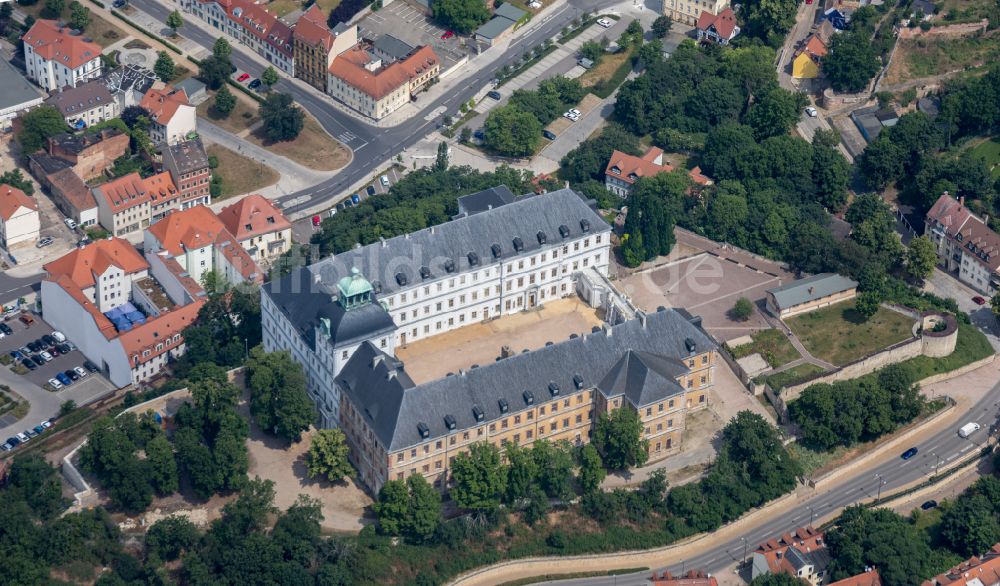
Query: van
point(27, 320)
point(968, 429)
point(58, 336)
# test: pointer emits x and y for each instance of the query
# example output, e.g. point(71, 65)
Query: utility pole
point(744, 539)
point(812, 515)
point(881, 483)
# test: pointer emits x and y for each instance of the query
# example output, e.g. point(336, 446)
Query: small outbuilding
point(810, 294)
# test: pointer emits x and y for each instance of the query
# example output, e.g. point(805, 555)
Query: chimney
point(642, 317)
point(961, 200)
point(382, 240)
point(607, 329)
point(432, 229)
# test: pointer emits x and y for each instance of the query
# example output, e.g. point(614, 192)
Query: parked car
point(119, 3)
point(254, 84)
point(49, 340)
point(549, 134)
point(27, 319)
point(58, 336)
point(34, 347)
point(63, 348)
point(909, 453)
point(55, 384)
point(45, 242)
point(63, 379)
point(968, 429)
point(72, 375)
point(355, 199)
point(54, 351)
point(978, 300)
point(604, 23)
point(811, 111)
point(38, 360)
point(370, 190)
point(928, 505)
point(30, 432)
point(90, 366)
point(29, 364)
point(16, 355)
point(70, 345)
point(575, 112)
point(479, 133)
point(316, 220)
point(39, 429)
point(70, 223)
point(243, 77)
point(81, 372)
point(447, 35)
point(46, 424)
point(384, 181)
point(23, 438)
point(494, 94)
point(6, 329)
point(46, 356)
point(6, 447)
point(42, 344)
point(13, 441)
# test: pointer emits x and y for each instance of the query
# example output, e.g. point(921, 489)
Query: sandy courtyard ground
point(480, 343)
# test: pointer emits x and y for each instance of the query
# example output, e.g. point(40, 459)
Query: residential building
point(966, 246)
point(252, 25)
point(692, 578)
point(660, 365)
point(869, 577)
point(123, 204)
point(363, 81)
point(809, 294)
point(922, 9)
point(315, 46)
point(198, 242)
point(172, 116)
point(19, 224)
point(473, 268)
point(89, 154)
point(801, 554)
point(807, 58)
point(66, 189)
point(54, 58)
point(715, 27)
point(259, 226)
point(975, 571)
point(187, 163)
point(506, 19)
point(128, 84)
point(871, 120)
point(163, 195)
point(102, 297)
point(86, 104)
point(687, 12)
point(624, 170)
point(16, 95)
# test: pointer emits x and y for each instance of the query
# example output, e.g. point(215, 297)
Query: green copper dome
point(354, 290)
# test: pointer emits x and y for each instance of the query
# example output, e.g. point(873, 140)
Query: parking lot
point(45, 404)
point(303, 229)
point(411, 26)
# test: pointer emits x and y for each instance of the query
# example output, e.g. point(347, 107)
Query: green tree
point(970, 526)
point(777, 579)
point(661, 26)
point(921, 258)
point(652, 208)
point(775, 113)
point(831, 173)
point(461, 16)
point(995, 305)
point(511, 132)
point(164, 67)
point(743, 309)
point(38, 125)
point(591, 469)
point(221, 49)
point(171, 536)
point(283, 120)
point(441, 161)
point(592, 50)
point(214, 71)
point(424, 511)
point(618, 437)
point(34, 481)
point(269, 77)
point(878, 538)
point(79, 16)
point(53, 8)
point(768, 19)
point(851, 62)
point(480, 478)
point(278, 399)
point(328, 455)
point(174, 22)
point(161, 466)
point(555, 468)
point(15, 178)
point(867, 303)
point(392, 507)
point(522, 472)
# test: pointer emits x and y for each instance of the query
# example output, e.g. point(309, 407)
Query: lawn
point(792, 375)
point(839, 334)
point(241, 118)
point(239, 174)
point(971, 346)
point(605, 77)
point(773, 345)
point(101, 31)
point(989, 152)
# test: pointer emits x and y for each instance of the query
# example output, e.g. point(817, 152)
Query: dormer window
point(518, 244)
point(504, 407)
point(478, 413)
point(616, 170)
point(423, 430)
point(553, 388)
point(449, 422)
point(529, 397)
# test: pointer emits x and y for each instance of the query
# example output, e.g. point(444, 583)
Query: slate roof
point(811, 289)
point(393, 406)
point(304, 303)
point(393, 47)
point(525, 220)
point(187, 156)
point(508, 10)
point(644, 378)
point(129, 77)
point(494, 27)
point(485, 200)
point(85, 97)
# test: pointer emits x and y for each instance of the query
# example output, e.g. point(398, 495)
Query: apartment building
point(624, 170)
point(86, 104)
point(687, 12)
point(801, 554)
point(187, 163)
point(172, 116)
point(19, 223)
point(66, 189)
point(476, 267)
point(716, 27)
point(660, 365)
point(252, 25)
point(128, 84)
point(376, 87)
point(966, 246)
point(314, 46)
point(123, 204)
point(259, 226)
point(976, 571)
point(54, 58)
point(102, 296)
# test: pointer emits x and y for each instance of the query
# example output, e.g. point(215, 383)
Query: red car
point(978, 300)
point(447, 35)
point(243, 77)
point(317, 220)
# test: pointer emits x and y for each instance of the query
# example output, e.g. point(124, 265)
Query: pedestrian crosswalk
point(346, 137)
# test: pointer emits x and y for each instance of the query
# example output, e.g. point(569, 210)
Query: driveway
point(945, 285)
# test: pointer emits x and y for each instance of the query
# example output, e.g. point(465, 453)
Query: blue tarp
point(115, 313)
point(136, 317)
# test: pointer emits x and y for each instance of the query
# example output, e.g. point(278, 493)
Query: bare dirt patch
point(239, 174)
point(313, 148)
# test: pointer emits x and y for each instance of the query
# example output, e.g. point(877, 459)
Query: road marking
point(966, 449)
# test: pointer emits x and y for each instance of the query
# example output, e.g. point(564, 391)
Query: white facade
point(364, 103)
point(92, 116)
point(214, 15)
point(267, 246)
point(687, 11)
point(112, 288)
point(52, 75)
point(22, 227)
point(181, 124)
point(128, 220)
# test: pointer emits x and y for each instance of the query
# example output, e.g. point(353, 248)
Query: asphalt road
point(373, 145)
point(894, 472)
point(13, 287)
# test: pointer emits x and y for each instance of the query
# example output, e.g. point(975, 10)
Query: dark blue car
point(355, 199)
point(909, 453)
point(63, 379)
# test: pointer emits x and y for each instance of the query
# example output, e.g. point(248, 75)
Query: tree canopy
point(283, 120)
point(460, 16)
point(278, 399)
point(851, 62)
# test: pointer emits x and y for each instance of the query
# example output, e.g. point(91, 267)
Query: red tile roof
point(775, 551)
point(967, 230)
point(238, 256)
point(123, 193)
point(160, 186)
point(73, 189)
point(870, 578)
point(630, 168)
point(54, 43)
point(975, 571)
point(259, 22)
point(158, 330)
point(163, 102)
point(82, 265)
point(13, 199)
point(814, 47)
point(311, 28)
point(350, 67)
point(103, 324)
point(193, 228)
point(253, 215)
point(724, 22)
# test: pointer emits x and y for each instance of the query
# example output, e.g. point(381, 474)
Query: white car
point(70, 223)
point(55, 384)
point(384, 181)
point(604, 22)
point(24, 438)
point(81, 371)
point(574, 112)
point(811, 111)
point(46, 424)
point(59, 336)
point(46, 356)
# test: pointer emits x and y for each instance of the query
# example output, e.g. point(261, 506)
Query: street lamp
point(744, 539)
point(812, 515)
point(881, 483)
point(937, 464)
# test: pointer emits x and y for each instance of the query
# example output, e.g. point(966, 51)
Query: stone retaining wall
point(950, 30)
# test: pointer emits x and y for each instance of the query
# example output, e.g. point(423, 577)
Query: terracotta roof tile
point(311, 28)
point(82, 265)
point(54, 43)
point(253, 215)
point(195, 227)
point(350, 67)
point(13, 199)
point(973, 572)
point(160, 186)
point(256, 20)
point(163, 102)
point(724, 22)
point(123, 193)
point(159, 330)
